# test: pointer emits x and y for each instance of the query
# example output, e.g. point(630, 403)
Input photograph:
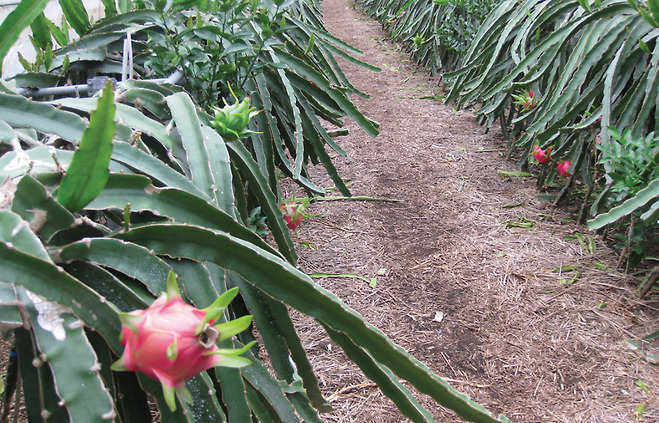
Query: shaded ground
point(478, 302)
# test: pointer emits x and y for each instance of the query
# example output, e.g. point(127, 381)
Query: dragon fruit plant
point(172, 341)
point(394, 20)
point(527, 100)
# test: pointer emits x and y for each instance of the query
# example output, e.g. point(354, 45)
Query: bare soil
point(481, 303)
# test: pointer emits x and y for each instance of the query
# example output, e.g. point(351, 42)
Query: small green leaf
point(88, 172)
point(643, 386)
point(585, 4)
point(172, 286)
point(312, 41)
point(633, 345)
point(61, 35)
point(233, 327)
point(653, 335)
point(648, 17)
point(565, 269)
point(600, 266)
point(510, 206)
point(569, 282)
point(514, 173)
point(125, 5)
point(41, 32)
point(653, 5)
point(172, 351)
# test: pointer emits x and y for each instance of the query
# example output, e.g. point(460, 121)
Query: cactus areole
point(172, 341)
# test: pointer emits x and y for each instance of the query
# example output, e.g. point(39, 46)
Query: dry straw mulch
point(480, 303)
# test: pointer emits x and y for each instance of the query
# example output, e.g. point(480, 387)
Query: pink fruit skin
point(164, 323)
point(540, 155)
point(563, 167)
point(292, 215)
point(291, 223)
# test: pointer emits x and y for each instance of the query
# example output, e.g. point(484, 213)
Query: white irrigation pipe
point(92, 86)
point(97, 83)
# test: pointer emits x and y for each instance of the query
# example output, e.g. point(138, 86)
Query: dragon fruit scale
point(172, 341)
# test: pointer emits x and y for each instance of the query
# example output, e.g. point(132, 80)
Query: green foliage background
point(436, 32)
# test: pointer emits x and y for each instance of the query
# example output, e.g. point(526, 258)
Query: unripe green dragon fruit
point(172, 341)
point(232, 120)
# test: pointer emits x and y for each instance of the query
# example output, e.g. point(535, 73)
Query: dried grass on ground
point(477, 302)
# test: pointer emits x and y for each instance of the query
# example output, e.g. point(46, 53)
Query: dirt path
point(477, 301)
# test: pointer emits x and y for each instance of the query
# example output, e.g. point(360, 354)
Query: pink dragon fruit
point(526, 99)
point(172, 341)
point(294, 212)
point(563, 167)
point(540, 155)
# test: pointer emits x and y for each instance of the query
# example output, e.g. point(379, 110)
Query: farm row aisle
point(473, 273)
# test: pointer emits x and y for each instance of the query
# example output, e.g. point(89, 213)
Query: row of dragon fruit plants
point(574, 87)
point(145, 248)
